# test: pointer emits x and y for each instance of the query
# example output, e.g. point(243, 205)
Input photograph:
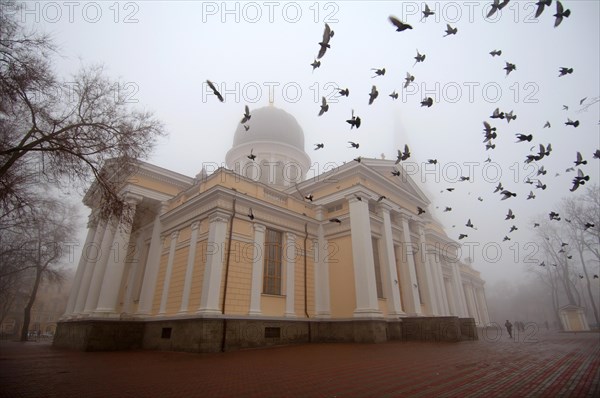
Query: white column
point(362, 259)
point(443, 293)
point(452, 307)
point(168, 272)
point(152, 266)
point(91, 302)
point(321, 262)
point(189, 272)
point(108, 298)
point(92, 226)
point(134, 269)
point(388, 257)
point(257, 268)
point(290, 275)
point(211, 284)
point(458, 287)
point(483, 305)
point(430, 290)
point(412, 273)
point(91, 261)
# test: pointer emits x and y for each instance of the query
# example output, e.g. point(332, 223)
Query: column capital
point(405, 215)
point(358, 196)
point(258, 227)
point(132, 198)
point(174, 235)
point(195, 225)
point(218, 216)
point(290, 236)
point(385, 206)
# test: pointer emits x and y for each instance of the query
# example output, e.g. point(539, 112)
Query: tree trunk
point(36, 285)
point(589, 287)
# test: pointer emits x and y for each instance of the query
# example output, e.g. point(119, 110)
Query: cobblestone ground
point(541, 364)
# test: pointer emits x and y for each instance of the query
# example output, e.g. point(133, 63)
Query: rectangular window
point(376, 262)
point(272, 263)
point(272, 333)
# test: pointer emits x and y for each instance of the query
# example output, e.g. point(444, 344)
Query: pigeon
point(506, 238)
point(378, 72)
point(400, 26)
point(595, 276)
point(497, 114)
point(489, 131)
point(507, 194)
point(246, 127)
point(420, 211)
point(547, 124)
point(419, 58)
point(353, 144)
point(396, 173)
point(324, 106)
point(447, 209)
point(498, 187)
point(327, 34)
point(373, 94)
point(319, 146)
point(542, 264)
point(394, 95)
point(403, 155)
point(523, 137)
point(427, 12)
point(251, 156)
point(479, 198)
point(510, 116)
point(358, 159)
point(541, 171)
point(247, 115)
point(462, 236)
point(579, 160)
point(344, 92)
point(581, 101)
point(408, 79)
point(560, 13)
point(462, 178)
point(563, 71)
point(569, 122)
point(554, 216)
point(215, 91)
point(535, 225)
point(540, 7)
point(427, 102)
point(449, 189)
point(494, 53)
point(354, 122)
point(496, 5)
point(540, 185)
point(510, 215)
point(588, 225)
point(432, 161)
point(469, 224)
point(450, 30)
point(531, 195)
point(565, 108)
point(513, 228)
point(315, 64)
point(337, 220)
point(509, 68)
point(597, 154)
point(580, 179)
point(250, 214)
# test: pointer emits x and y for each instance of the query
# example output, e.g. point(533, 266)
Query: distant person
point(508, 328)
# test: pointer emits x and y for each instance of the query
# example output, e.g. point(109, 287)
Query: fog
point(257, 52)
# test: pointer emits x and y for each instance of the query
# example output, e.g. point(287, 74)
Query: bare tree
point(62, 132)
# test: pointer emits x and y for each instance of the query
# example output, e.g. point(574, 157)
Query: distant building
point(257, 254)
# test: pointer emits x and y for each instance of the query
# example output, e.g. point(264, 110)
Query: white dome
point(270, 124)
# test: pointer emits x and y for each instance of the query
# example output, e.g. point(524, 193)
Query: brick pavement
point(534, 365)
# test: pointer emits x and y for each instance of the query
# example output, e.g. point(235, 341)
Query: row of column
point(99, 274)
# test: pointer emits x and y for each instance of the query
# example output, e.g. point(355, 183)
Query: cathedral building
point(257, 254)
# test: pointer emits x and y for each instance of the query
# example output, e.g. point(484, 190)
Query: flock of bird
point(490, 132)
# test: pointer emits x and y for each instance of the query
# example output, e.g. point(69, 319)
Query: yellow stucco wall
point(341, 278)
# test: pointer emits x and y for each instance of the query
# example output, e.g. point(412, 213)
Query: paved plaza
point(535, 364)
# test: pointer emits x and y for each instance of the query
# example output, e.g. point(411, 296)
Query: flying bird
point(337, 220)
point(581, 101)
point(353, 144)
point(579, 161)
point(408, 79)
point(498, 187)
point(565, 108)
point(354, 122)
point(251, 156)
point(447, 209)
point(523, 137)
point(554, 216)
point(479, 198)
point(597, 154)
point(540, 7)
point(373, 94)
point(315, 64)
point(319, 146)
point(246, 127)
point(378, 72)
point(510, 215)
point(419, 58)
point(510, 116)
point(588, 225)
point(214, 90)
point(507, 194)
point(509, 68)
point(563, 71)
point(531, 195)
point(327, 34)
point(569, 122)
point(396, 173)
point(394, 95)
point(560, 13)
point(506, 238)
point(450, 30)
point(247, 115)
point(403, 155)
point(547, 124)
point(462, 236)
point(469, 224)
point(427, 12)
point(427, 102)
point(344, 92)
point(513, 228)
point(400, 26)
point(432, 161)
point(324, 106)
point(497, 114)
point(580, 179)
point(250, 214)
point(496, 5)
point(494, 53)
point(420, 211)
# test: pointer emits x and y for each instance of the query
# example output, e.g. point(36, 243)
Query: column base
point(255, 312)
point(209, 311)
point(290, 315)
point(367, 313)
